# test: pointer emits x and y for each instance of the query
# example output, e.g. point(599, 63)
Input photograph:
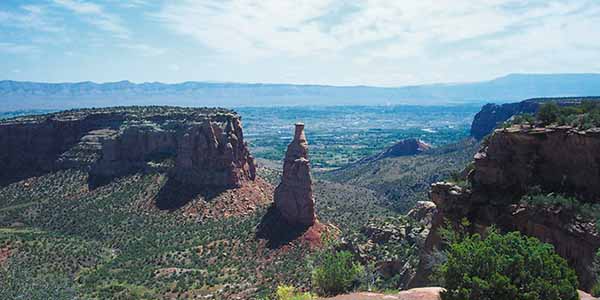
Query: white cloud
point(144, 50)
point(437, 34)
point(251, 27)
point(14, 48)
point(174, 67)
point(34, 17)
point(376, 42)
point(97, 16)
point(134, 3)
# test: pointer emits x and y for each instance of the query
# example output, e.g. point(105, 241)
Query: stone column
point(294, 196)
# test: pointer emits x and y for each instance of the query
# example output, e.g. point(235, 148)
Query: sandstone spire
point(293, 196)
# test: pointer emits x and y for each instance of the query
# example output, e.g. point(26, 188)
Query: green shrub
point(596, 272)
point(337, 273)
point(590, 211)
point(286, 292)
point(596, 290)
point(585, 115)
point(548, 113)
point(524, 118)
point(507, 266)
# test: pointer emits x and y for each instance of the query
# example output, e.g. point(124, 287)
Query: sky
point(359, 42)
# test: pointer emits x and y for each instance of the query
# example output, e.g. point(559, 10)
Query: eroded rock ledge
point(556, 159)
point(198, 146)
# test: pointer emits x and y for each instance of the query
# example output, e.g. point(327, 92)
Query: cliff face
point(202, 147)
point(561, 160)
point(492, 115)
point(558, 159)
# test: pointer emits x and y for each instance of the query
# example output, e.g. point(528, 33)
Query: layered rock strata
point(198, 146)
point(553, 159)
point(559, 159)
point(294, 195)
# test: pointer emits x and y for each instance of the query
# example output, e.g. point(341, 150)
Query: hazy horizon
point(300, 84)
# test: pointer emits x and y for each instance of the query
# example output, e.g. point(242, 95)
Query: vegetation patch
point(509, 266)
point(583, 116)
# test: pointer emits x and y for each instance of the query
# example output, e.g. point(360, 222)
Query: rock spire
point(294, 196)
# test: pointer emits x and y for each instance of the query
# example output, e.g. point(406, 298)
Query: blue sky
point(361, 42)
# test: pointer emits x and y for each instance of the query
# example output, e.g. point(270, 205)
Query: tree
point(337, 273)
point(548, 113)
point(508, 266)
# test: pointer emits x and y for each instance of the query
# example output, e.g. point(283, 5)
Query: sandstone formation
point(559, 159)
point(555, 159)
point(198, 146)
point(492, 115)
point(378, 241)
point(294, 195)
point(426, 293)
point(402, 148)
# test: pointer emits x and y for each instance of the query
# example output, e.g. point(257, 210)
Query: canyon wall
point(492, 115)
point(513, 161)
point(198, 146)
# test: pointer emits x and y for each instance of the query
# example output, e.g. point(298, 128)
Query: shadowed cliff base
point(176, 194)
point(278, 232)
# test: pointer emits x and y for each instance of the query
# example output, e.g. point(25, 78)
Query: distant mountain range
point(16, 95)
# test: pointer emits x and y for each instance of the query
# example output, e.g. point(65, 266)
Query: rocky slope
point(492, 115)
point(198, 146)
point(513, 161)
point(404, 180)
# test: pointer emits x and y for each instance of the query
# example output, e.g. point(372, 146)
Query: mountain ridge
point(16, 95)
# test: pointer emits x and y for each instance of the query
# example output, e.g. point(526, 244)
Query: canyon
point(158, 186)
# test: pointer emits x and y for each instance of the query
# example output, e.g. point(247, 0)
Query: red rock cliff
point(561, 160)
point(198, 146)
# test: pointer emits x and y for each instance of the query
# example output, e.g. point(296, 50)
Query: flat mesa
point(198, 146)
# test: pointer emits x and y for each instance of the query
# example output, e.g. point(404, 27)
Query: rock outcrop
point(426, 293)
point(199, 146)
point(553, 159)
point(402, 148)
point(492, 115)
point(379, 242)
point(559, 159)
point(294, 195)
